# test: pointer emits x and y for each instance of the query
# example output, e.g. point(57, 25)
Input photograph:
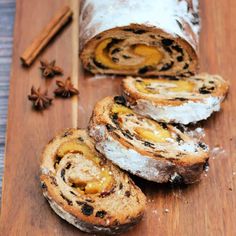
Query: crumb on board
point(166, 210)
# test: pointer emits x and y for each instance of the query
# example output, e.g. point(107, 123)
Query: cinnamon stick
point(58, 21)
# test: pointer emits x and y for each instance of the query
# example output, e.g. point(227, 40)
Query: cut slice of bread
point(176, 100)
point(86, 189)
point(154, 151)
point(123, 51)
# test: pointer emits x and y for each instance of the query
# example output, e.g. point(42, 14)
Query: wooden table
point(206, 208)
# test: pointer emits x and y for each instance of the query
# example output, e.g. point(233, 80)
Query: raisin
point(167, 42)
point(148, 144)
point(54, 181)
point(68, 166)
point(101, 214)
point(143, 70)
point(105, 194)
point(87, 209)
point(127, 134)
point(115, 119)
point(180, 127)
point(180, 58)
point(80, 139)
point(43, 185)
point(57, 161)
point(115, 50)
point(80, 203)
point(120, 100)
point(168, 49)
point(195, 20)
point(69, 202)
point(202, 145)
point(163, 125)
point(178, 138)
point(120, 186)
point(114, 59)
point(204, 90)
point(63, 174)
point(126, 56)
point(73, 193)
point(127, 193)
point(110, 127)
point(180, 99)
point(185, 66)
point(211, 88)
point(112, 43)
point(167, 66)
point(177, 48)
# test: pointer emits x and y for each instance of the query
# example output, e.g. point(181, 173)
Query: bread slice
point(152, 52)
point(176, 100)
point(86, 189)
point(154, 151)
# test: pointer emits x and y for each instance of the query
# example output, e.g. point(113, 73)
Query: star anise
point(49, 69)
point(39, 99)
point(65, 89)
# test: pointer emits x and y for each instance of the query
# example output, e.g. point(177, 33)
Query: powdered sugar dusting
point(169, 15)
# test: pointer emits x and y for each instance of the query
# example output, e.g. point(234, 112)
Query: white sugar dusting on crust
point(188, 112)
point(176, 17)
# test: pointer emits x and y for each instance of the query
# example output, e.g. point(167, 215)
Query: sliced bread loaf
point(154, 151)
point(176, 100)
point(86, 189)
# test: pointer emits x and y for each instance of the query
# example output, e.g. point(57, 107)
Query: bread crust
point(189, 167)
point(89, 212)
point(170, 107)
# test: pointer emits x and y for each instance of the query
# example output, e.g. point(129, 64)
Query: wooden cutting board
point(206, 208)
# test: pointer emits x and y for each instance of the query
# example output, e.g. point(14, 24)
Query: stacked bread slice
point(86, 189)
point(154, 151)
point(176, 100)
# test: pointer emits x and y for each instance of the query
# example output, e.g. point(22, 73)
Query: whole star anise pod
point(39, 99)
point(49, 69)
point(65, 89)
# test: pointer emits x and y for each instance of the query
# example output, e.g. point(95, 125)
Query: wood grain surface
point(206, 208)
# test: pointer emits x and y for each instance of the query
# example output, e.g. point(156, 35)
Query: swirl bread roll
point(175, 100)
point(87, 190)
point(142, 38)
point(155, 151)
